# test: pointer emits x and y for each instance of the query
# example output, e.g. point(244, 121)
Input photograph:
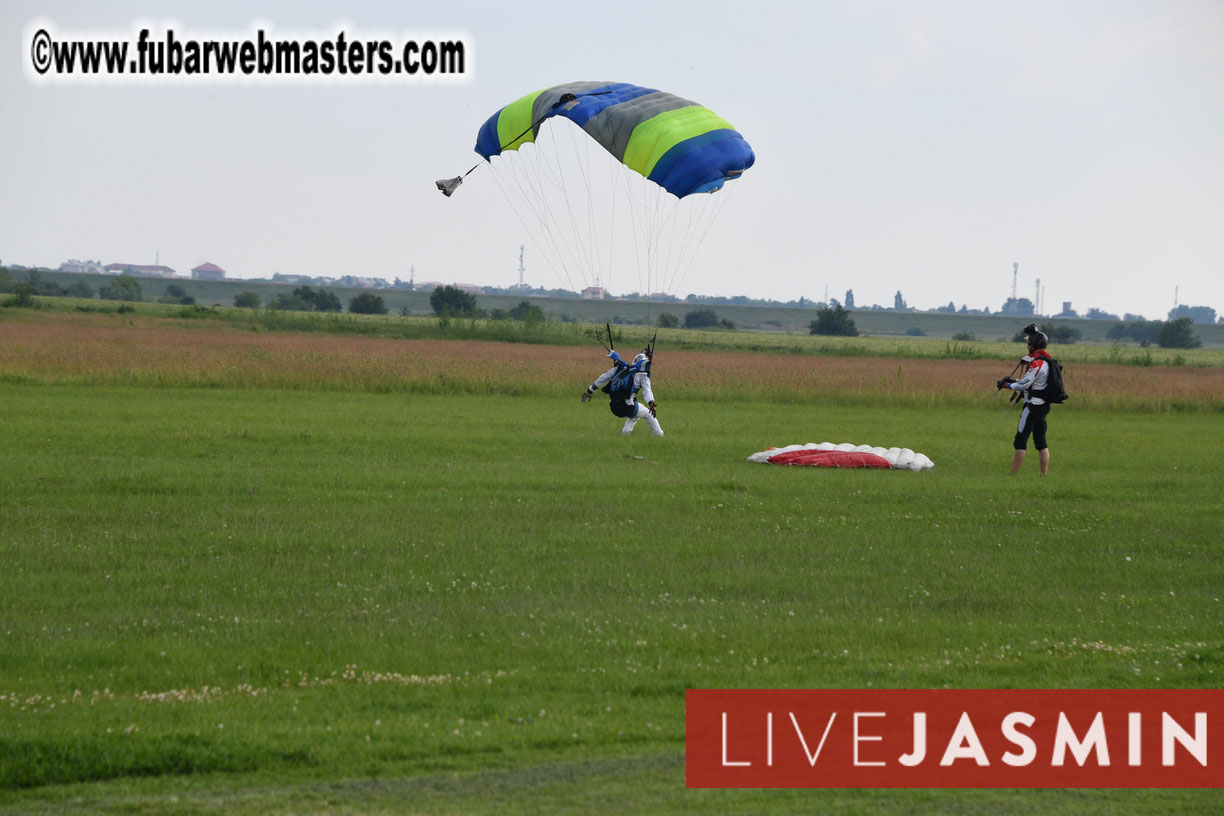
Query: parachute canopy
point(677, 144)
point(826, 454)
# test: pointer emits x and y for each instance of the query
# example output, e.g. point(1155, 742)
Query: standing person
point(1036, 407)
point(625, 382)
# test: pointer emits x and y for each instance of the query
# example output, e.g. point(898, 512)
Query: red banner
point(940, 738)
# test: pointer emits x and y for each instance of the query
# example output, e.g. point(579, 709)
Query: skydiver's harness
point(622, 388)
point(1053, 393)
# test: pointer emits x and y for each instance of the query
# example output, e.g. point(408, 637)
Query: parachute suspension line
point(580, 258)
point(634, 227)
point(683, 212)
point(655, 233)
point(538, 240)
point(704, 222)
point(648, 207)
point(649, 237)
point(538, 207)
point(701, 217)
point(673, 245)
point(613, 169)
point(549, 173)
point(594, 252)
point(533, 200)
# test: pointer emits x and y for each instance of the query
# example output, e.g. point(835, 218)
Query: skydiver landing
point(623, 383)
point(1038, 387)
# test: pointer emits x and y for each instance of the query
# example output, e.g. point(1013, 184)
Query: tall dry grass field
point(84, 348)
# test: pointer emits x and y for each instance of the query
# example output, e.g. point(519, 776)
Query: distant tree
point(247, 299)
point(1199, 314)
point(367, 303)
point(914, 331)
point(326, 301)
point(1131, 318)
point(849, 298)
point(834, 322)
point(727, 324)
point(1099, 314)
point(527, 312)
point(1178, 333)
point(1063, 334)
point(899, 303)
point(38, 285)
point(1017, 307)
point(451, 301)
point(499, 314)
point(79, 288)
point(964, 336)
point(22, 297)
point(124, 287)
point(7, 281)
point(949, 309)
point(176, 294)
point(305, 299)
point(700, 319)
point(667, 320)
point(292, 302)
point(1141, 331)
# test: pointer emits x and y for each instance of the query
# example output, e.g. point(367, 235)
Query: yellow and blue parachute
point(641, 217)
point(679, 145)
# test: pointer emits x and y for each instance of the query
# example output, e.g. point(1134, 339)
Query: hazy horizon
point(915, 147)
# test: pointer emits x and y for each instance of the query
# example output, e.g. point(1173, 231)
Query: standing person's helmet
point(1036, 338)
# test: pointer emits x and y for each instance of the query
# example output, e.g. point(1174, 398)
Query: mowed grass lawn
point(246, 600)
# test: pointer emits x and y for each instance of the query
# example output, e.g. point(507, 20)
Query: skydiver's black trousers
point(1032, 421)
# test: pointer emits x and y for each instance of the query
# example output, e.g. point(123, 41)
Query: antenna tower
point(521, 270)
point(1015, 274)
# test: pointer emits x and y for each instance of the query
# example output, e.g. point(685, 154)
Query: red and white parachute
point(845, 455)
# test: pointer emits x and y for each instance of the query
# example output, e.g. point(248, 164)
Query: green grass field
point(245, 600)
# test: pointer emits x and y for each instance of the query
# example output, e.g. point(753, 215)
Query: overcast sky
point(918, 146)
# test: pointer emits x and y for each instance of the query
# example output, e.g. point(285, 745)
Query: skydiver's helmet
point(641, 361)
point(1036, 338)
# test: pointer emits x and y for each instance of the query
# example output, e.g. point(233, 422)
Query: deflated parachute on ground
point(826, 454)
point(679, 145)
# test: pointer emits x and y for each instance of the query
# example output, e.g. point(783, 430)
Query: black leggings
point(1032, 421)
